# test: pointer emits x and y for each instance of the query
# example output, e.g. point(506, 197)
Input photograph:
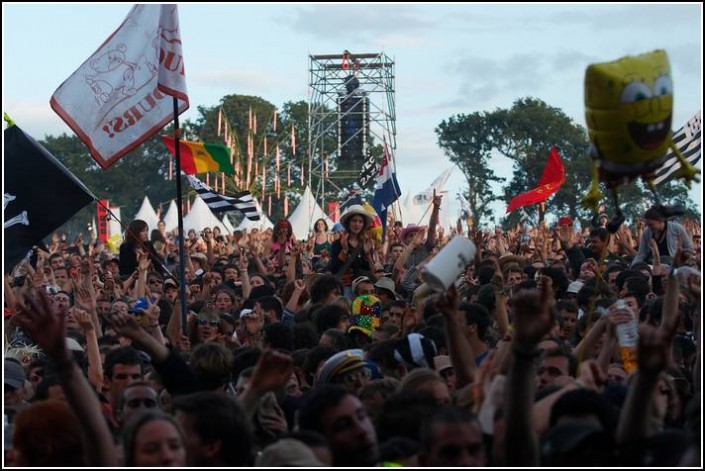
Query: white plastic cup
point(449, 263)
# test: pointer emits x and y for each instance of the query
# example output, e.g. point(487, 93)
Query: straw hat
point(353, 210)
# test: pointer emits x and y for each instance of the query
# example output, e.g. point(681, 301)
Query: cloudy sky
point(450, 59)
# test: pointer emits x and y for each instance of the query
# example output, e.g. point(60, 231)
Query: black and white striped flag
point(218, 203)
point(687, 140)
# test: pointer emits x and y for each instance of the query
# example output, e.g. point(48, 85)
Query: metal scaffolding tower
point(351, 107)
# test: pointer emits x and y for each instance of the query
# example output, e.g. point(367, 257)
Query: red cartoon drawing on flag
point(114, 75)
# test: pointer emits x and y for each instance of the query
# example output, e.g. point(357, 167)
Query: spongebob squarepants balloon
point(628, 109)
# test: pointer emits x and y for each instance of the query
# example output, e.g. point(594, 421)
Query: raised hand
point(449, 302)
point(124, 324)
point(45, 322)
point(591, 375)
point(84, 319)
point(654, 348)
point(272, 371)
point(367, 244)
point(344, 241)
point(532, 314)
point(299, 286)
point(152, 312)
point(143, 262)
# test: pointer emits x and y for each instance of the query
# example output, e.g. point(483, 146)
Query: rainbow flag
point(197, 157)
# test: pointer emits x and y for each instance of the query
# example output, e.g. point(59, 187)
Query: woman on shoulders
point(354, 251)
point(137, 243)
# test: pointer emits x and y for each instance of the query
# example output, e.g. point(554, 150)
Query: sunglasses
point(135, 403)
point(211, 323)
point(155, 282)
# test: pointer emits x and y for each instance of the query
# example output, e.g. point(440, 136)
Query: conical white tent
point(263, 224)
point(201, 217)
point(114, 226)
point(227, 224)
point(171, 218)
point(147, 214)
point(305, 215)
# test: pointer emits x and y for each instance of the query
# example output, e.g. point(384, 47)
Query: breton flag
point(552, 179)
point(40, 195)
point(687, 140)
point(218, 203)
point(386, 190)
point(117, 99)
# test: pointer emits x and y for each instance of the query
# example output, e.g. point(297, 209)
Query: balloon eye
point(663, 86)
point(636, 91)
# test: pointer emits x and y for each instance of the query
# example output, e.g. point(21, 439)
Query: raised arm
point(461, 355)
point(532, 320)
point(46, 324)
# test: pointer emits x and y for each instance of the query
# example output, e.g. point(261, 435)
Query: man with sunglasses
point(136, 398)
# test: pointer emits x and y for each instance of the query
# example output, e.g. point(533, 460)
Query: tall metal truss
point(329, 85)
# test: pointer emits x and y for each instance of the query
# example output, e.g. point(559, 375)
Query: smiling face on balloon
point(629, 106)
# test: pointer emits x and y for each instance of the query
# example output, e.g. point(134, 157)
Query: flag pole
point(180, 215)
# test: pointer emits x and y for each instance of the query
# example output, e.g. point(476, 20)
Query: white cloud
point(36, 118)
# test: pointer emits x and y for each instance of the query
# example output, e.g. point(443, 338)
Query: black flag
point(40, 195)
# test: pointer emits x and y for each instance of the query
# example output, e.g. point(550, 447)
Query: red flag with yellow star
point(552, 179)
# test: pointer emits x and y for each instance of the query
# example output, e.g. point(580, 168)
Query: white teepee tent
point(171, 219)
point(264, 222)
point(201, 217)
point(114, 226)
point(227, 224)
point(305, 215)
point(147, 214)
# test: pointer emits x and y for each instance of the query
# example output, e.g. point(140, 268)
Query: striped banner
point(242, 201)
point(687, 140)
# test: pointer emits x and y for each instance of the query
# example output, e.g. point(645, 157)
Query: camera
point(52, 289)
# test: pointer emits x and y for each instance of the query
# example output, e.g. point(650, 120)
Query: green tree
point(527, 132)
point(468, 140)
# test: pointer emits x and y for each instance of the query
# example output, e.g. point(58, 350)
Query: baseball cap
point(575, 287)
point(358, 280)
point(245, 313)
point(14, 374)
point(442, 362)
point(170, 282)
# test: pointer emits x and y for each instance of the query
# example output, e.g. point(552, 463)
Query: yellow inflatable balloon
point(113, 243)
point(376, 228)
point(628, 109)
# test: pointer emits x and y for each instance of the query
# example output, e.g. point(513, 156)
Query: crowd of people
point(554, 347)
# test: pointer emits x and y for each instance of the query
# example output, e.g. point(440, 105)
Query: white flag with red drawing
point(117, 99)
